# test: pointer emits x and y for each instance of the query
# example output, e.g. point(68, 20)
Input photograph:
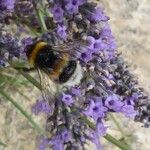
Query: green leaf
point(116, 142)
point(13, 80)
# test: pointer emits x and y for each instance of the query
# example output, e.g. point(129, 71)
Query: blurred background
point(130, 23)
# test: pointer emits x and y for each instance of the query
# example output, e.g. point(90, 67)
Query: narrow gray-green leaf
point(23, 112)
point(31, 79)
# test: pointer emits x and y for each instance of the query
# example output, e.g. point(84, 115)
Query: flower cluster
point(6, 9)
point(107, 85)
point(10, 48)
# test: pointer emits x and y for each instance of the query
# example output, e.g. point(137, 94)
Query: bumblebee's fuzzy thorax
point(33, 50)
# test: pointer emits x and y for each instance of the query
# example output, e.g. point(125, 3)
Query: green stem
point(26, 115)
point(30, 78)
point(117, 124)
point(26, 75)
point(3, 144)
point(114, 141)
point(40, 17)
point(108, 137)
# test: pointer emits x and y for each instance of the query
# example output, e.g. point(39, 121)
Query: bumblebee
point(56, 68)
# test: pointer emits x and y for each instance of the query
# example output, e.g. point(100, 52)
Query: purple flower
point(10, 47)
point(113, 102)
point(131, 100)
point(72, 6)
point(95, 138)
point(95, 45)
point(67, 99)
point(101, 129)
point(98, 15)
point(129, 111)
point(86, 56)
point(76, 91)
point(61, 31)
point(96, 109)
point(57, 143)
point(9, 4)
point(90, 41)
point(98, 45)
point(58, 140)
point(93, 14)
point(107, 38)
point(66, 135)
point(41, 106)
point(44, 142)
point(57, 12)
point(27, 41)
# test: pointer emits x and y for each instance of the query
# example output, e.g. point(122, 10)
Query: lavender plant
point(80, 112)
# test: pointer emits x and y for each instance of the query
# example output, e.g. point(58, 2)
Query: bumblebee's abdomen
point(68, 71)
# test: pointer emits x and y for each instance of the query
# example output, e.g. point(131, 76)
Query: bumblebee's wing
point(49, 88)
point(69, 47)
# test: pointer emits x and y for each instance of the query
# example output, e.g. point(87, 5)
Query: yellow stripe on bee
point(36, 49)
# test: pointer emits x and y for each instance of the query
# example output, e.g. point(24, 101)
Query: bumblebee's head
point(29, 49)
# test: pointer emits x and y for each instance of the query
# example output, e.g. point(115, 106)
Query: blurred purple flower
point(58, 140)
point(96, 109)
point(90, 41)
point(61, 31)
point(97, 15)
point(66, 135)
point(93, 14)
point(76, 91)
point(107, 38)
point(101, 129)
point(57, 143)
point(129, 111)
point(10, 47)
point(41, 106)
point(57, 12)
point(113, 102)
point(95, 45)
point(86, 56)
point(44, 142)
point(72, 6)
point(67, 99)
point(27, 41)
point(95, 138)
point(8, 4)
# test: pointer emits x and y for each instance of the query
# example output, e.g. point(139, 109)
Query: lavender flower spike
point(105, 85)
